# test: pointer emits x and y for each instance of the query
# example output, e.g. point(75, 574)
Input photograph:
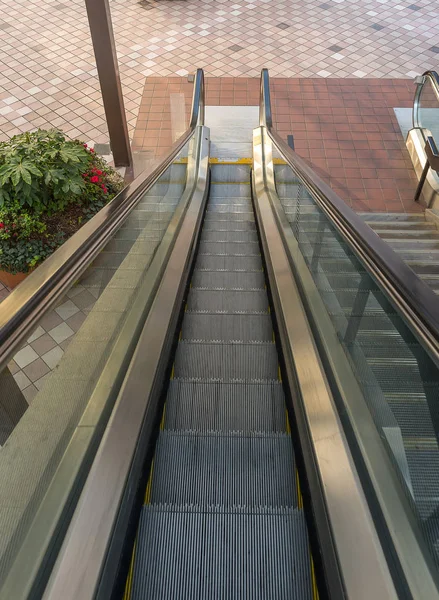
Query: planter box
point(10, 280)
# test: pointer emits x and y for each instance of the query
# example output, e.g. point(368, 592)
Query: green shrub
point(49, 187)
point(42, 170)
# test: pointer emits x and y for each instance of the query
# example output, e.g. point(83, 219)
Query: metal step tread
point(232, 469)
point(227, 301)
point(222, 553)
point(244, 361)
point(227, 327)
point(228, 280)
point(205, 406)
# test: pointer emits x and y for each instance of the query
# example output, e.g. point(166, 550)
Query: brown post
point(102, 36)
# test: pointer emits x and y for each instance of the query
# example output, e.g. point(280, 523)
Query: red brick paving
point(346, 128)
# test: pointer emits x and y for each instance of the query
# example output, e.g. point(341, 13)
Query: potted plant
point(49, 186)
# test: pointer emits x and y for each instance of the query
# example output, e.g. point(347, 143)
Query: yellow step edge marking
point(172, 372)
point(288, 422)
point(180, 334)
point(149, 485)
point(279, 374)
point(162, 422)
point(274, 339)
point(315, 591)
point(129, 583)
point(299, 492)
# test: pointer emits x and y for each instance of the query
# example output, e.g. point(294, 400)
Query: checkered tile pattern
point(44, 349)
point(48, 73)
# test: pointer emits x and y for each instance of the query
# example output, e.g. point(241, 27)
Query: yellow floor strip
point(129, 583)
point(172, 372)
point(279, 374)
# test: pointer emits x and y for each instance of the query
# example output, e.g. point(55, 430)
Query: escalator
point(249, 409)
point(222, 494)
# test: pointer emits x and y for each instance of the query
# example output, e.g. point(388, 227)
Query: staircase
point(414, 238)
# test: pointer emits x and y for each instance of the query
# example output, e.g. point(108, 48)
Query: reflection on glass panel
point(74, 365)
point(429, 109)
point(399, 381)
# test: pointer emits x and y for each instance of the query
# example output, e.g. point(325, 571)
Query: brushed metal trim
point(362, 563)
point(77, 570)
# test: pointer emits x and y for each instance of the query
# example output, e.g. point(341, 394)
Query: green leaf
point(25, 175)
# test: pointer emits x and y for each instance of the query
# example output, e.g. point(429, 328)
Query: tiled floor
point(45, 348)
point(345, 127)
point(48, 75)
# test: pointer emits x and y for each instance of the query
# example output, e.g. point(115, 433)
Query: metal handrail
point(433, 77)
point(24, 307)
point(416, 301)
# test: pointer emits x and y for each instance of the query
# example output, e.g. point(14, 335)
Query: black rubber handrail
point(22, 309)
point(417, 301)
point(433, 77)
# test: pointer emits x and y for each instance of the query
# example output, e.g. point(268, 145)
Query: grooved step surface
point(228, 280)
point(245, 407)
point(192, 553)
point(227, 327)
point(257, 362)
point(253, 301)
point(232, 470)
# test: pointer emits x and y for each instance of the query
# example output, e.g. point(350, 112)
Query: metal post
point(101, 29)
point(422, 180)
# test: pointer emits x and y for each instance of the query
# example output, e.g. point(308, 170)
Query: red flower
point(104, 189)
point(98, 172)
point(2, 225)
point(92, 151)
point(85, 145)
point(94, 179)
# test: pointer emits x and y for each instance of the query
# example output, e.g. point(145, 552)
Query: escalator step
point(227, 327)
point(247, 407)
point(229, 280)
point(232, 248)
point(223, 554)
point(225, 225)
point(224, 361)
point(229, 208)
point(229, 236)
point(228, 263)
point(230, 190)
point(252, 301)
point(209, 469)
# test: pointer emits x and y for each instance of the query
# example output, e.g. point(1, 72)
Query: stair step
point(210, 469)
point(258, 555)
point(229, 236)
point(391, 217)
point(227, 328)
point(230, 190)
point(228, 280)
point(246, 407)
point(410, 235)
point(228, 301)
point(232, 248)
point(228, 263)
point(243, 362)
